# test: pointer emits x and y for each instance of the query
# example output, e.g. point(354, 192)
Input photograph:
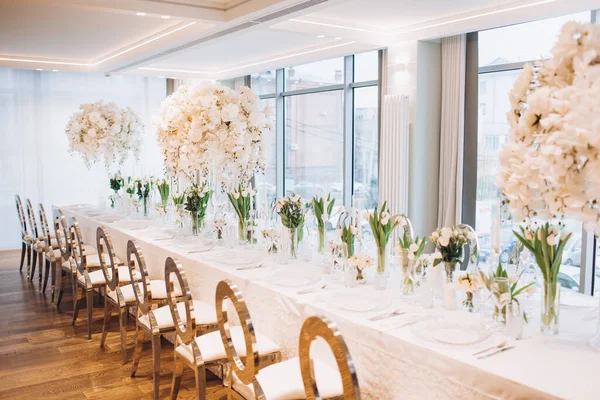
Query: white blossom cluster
point(209, 127)
point(549, 165)
point(102, 131)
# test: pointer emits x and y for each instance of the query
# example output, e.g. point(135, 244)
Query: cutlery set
point(490, 351)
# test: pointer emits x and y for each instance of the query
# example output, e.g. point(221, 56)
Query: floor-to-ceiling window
point(502, 54)
point(325, 116)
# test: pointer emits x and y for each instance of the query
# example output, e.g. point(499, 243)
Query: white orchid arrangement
point(204, 126)
point(549, 165)
point(102, 131)
point(272, 236)
point(450, 242)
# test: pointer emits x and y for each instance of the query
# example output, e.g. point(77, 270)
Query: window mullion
point(279, 133)
point(348, 159)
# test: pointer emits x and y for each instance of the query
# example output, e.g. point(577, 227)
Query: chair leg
point(77, 297)
point(156, 364)
point(33, 262)
point(137, 353)
point(107, 315)
point(28, 260)
point(63, 278)
point(177, 375)
point(23, 252)
point(46, 275)
point(123, 330)
point(40, 264)
point(53, 267)
point(90, 310)
point(200, 382)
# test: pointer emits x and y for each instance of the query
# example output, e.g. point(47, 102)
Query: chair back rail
point(64, 235)
point(21, 214)
point(31, 220)
point(110, 270)
point(44, 225)
point(319, 326)
point(185, 331)
point(138, 272)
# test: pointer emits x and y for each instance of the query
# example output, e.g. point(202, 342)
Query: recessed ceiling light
point(39, 69)
point(54, 70)
point(338, 38)
point(165, 16)
point(140, 14)
point(320, 36)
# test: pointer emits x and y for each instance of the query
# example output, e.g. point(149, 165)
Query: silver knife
point(495, 352)
point(250, 267)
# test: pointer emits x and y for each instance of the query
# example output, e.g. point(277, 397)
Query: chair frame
point(111, 276)
point(320, 326)
point(87, 288)
point(25, 237)
point(37, 246)
point(247, 371)
point(47, 245)
point(64, 267)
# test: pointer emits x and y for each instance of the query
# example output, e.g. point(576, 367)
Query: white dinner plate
point(132, 224)
point(360, 304)
point(238, 260)
point(451, 332)
point(295, 277)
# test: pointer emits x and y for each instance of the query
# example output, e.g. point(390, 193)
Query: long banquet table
point(392, 361)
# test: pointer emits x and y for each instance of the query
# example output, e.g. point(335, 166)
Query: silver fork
point(387, 315)
point(306, 291)
point(499, 345)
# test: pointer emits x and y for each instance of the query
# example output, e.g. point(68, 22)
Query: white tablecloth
point(391, 361)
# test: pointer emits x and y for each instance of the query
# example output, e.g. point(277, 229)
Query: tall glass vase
point(195, 224)
point(294, 242)
point(321, 239)
point(382, 274)
point(408, 278)
point(550, 308)
point(145, 202)
point(242, 230)
point(450, 269)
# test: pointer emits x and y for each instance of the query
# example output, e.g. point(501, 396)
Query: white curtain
point(35, 107)
point(452, 129)
point(394, 153)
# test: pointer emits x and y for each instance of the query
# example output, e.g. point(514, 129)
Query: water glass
point(501, 292)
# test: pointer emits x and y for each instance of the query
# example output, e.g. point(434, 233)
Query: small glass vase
point(382, 274)
point(550, 308)
point(468, 303)
point(145, 205)
point(450, 268)
point(293, 242)
point(321, 239)
point(195, 224)
point(408, 283)
point(242, 229)
point(350, 246)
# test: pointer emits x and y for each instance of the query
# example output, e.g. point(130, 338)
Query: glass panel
point(365, 146)
point(264, 82)
point(321, 73)
point(492, 133)
point(523, 42)
point(314, 129)
point(266, 184)
point(597, 271)
point(366, 66)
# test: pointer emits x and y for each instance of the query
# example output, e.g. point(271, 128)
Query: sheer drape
point(35, 107)
point(452, 129)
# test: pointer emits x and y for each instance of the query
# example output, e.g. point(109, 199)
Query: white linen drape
point(35, 107)
point(452, 129)
point(393, 153)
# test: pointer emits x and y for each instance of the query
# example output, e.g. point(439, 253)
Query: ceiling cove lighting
point(245, 65)
point(320, 36)
point(165, 16)
point(333, 25)
point(140, 14)
point(39, 69)
point(83, 64)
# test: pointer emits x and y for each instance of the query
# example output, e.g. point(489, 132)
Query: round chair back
point(78, 247)
point(31, 219)
point(44, 225)
point(138, 272)
point(21, 216)
point(106, 250)
point(185, 331)
point(245, 372)
point(318, 326)
point(64, 236)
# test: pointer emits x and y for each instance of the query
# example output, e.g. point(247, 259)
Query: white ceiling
point(219, 39)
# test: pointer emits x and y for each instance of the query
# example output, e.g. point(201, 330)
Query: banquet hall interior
point(299, 199)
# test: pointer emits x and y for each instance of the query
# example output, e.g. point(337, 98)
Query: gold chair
point(48, 242)
point(293, 378)
point(207, 350)
point(159, 321)
point(37, 246)
point(319, 326)
point(117, 297)
point(25, 237)
point(90, 275)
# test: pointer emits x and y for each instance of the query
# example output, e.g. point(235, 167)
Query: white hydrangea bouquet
point(102, 131)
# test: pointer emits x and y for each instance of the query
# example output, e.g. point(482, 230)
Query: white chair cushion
point(211, 345)
point(283, 381)
point(204, 314)
point(96, 277)
point(158, 288)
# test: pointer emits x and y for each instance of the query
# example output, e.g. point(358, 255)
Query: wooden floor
point(42, 356)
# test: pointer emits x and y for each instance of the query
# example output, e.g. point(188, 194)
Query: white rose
point(446, 232)
point(443, 241)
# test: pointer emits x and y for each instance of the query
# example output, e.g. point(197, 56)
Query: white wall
point(35, 106)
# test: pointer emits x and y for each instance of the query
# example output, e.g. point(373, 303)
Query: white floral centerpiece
point(209, 127)
point(102, 131)
point(291, 210)
point(241, 199)
point(382, 224)
point(470, 282)
point(549, 165)
point(358, 263)
point(450, 242)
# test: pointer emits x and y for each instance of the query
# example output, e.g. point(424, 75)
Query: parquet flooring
point(42, 356)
